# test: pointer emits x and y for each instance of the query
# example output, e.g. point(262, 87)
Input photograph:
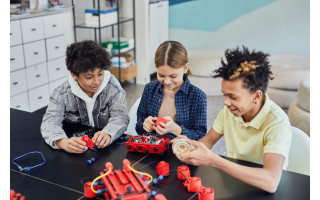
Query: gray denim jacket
point(109, 112)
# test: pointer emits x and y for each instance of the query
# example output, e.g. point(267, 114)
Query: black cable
point(177, 171)
point(193, 196)
point(86, 178)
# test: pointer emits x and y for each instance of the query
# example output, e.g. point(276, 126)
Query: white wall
point(281, 26)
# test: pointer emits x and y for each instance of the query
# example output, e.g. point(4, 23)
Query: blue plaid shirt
point(191, 108)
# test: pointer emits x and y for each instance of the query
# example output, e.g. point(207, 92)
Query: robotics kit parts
point(183, 170)
point(181, 146)
point(193, 184)
point(88, 141)
point(126, 184)
point(148, 144)
point(16, 196)
point(206, 193)
point(163, 168)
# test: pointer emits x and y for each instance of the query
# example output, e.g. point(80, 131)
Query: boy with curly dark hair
point(91, 96)
point(255, 129)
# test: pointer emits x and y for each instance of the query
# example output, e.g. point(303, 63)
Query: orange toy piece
point(88, 141)
point(206, 193)
point(185, 171)
point(162, 168)
point(159, 197)
point(193, 184)
point(160, 119)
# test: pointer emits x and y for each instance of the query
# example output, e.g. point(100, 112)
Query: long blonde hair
point(173, 54)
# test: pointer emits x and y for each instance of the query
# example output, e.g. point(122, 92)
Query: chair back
point(299, 155)
point(133, 118)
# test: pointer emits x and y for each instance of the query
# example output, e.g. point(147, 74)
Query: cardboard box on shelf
point(126, 73)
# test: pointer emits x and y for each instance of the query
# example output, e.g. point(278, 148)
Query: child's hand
point(169, 127)
point(148, 123)
point(72, 145)
point(101, 139)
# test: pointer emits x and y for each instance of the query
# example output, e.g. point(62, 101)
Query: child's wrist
point(60, 143)
point(177, 130)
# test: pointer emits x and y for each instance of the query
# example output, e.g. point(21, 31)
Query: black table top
point(60, 177)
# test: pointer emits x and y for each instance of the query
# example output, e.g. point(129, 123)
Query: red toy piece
point(206, 193)
point(16, 196)
point(160, 197)
point(162, 168)
point(122, 185)
point(193, 184)
point(160, 119)
point(142, 147)
point(88, 141)
point(185, 171)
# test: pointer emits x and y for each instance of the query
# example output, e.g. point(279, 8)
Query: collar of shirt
point(257, 121)
point(185, 87)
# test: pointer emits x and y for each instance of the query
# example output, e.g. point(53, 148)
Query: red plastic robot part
point(206, 193)
point(16, 196)
point(88, 193)
point(185, 171)
point(159, 197)
point(193, 184)
point(160, 119)
point(163, 168)
point(88, 141)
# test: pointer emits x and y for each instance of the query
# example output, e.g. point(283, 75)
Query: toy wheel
point(139, 147)
point(146, 151)
point(135, 150)
point(129, 147)
point(155, 149)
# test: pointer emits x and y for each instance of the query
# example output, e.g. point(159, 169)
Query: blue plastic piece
point(153, 193)
point(155, 181)
point(160, 177)
point(141, 175)
point(99, 191)
point(146, 182)
point(95, 184)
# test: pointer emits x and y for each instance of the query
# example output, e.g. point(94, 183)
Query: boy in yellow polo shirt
point(254, 127)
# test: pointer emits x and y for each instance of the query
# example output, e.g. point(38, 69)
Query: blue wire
point(25, 169)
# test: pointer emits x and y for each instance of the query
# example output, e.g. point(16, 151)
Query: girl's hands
point(169, 127)
point(148, 124)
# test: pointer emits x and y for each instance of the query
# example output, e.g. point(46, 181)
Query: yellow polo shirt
point(268, 132)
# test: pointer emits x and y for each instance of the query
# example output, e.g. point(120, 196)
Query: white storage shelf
point(37, 60)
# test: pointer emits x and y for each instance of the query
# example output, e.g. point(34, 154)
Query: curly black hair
point(86, 55)
point(256, 75)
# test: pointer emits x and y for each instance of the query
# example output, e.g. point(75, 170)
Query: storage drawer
point(37, 75)
point(20, 102)
point(56, 47)
point(53, 25)
point(35, 53)
point(16, 58)
point(18, 82)
point(38, 98)
point(15, 33)
point(32, 29)
point(57, 69)
point(53, 85)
